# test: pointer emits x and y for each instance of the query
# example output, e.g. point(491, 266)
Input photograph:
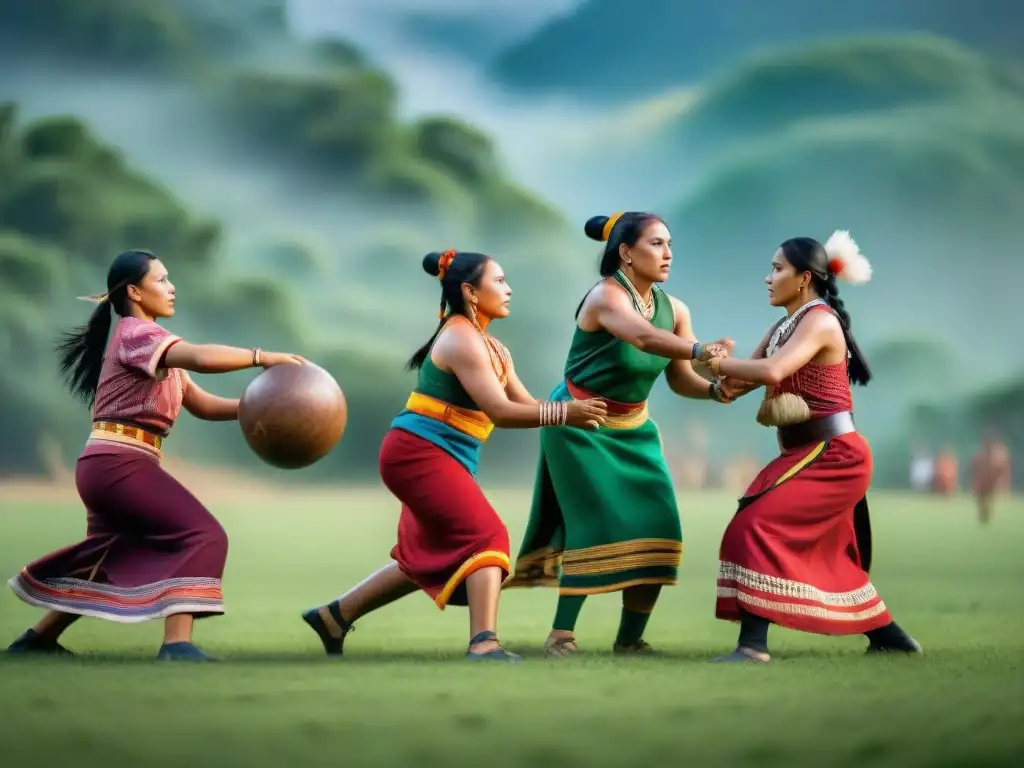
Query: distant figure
point(922, 470)
point(990, 474)
point(947, 470)
point(798, 550)
point(738, 472)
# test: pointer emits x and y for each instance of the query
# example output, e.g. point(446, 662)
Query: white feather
point(855, 269)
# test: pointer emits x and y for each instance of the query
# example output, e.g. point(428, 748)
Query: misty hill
point(926, 170)
point(603, 52)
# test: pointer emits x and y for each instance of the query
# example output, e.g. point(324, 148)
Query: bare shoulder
point(607, 294)
point(823, 325)
point(456, 341)
point(823, 321)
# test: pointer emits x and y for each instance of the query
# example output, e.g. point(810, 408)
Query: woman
point(797, 552)
point(451, 543)
point(151, 549)
point(604, 508)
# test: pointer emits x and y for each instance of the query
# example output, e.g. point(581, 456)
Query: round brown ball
point(293, 415)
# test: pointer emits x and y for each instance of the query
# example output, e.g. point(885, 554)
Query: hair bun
point(594, 228)
point(431, 263)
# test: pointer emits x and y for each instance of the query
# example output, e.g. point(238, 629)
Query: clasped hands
point(728, 388)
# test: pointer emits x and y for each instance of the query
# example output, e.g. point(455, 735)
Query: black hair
point(465, 267)
point(81, 350)
point(626, 231)
point(808, 255)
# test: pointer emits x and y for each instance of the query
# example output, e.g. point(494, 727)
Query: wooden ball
point(292, 415)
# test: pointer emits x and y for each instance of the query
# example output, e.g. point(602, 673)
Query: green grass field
point(403, 695)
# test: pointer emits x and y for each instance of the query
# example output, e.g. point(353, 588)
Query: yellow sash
point(472, 423)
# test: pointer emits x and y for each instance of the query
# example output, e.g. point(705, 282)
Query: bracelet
point(256, 352)
point(715, 364)
point(715, 393)
point(553, 413)
point(697, 351)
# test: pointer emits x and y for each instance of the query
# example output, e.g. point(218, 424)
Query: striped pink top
point(132, 388)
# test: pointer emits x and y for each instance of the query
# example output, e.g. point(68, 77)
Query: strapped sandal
point(331, 628)
point(560, 647)
point(498, 654)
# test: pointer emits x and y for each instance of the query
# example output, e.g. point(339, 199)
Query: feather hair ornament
point(845, 260)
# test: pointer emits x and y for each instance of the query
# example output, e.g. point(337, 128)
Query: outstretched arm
point(209, 407)
point(216, 358)
point(611, 309)
point(814, 333)
point(679, 374)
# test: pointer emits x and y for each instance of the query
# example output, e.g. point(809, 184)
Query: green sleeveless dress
point(604, 514)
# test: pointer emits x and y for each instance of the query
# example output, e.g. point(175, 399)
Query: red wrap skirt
point(447, 529)
point(797, 551)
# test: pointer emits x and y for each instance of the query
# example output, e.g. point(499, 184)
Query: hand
point(719, 348)
point(269, 359)
point(733, 388)
point(718, 393)
point(586, 414)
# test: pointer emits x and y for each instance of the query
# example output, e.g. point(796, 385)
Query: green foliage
point(339, 53)
point(115, 32)
point(335, 121)
point(464, 151)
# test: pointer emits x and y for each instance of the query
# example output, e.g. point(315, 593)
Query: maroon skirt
point(447, 530)
point(151, 549)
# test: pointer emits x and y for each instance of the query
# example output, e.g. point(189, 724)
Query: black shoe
point(331, 628)
point(892, 639)
point(33, 642)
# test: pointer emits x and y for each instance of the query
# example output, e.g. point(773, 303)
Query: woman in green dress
point(604, 515)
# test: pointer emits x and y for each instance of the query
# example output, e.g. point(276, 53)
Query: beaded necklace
point(644, 308)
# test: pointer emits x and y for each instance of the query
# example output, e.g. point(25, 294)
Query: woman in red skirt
point(152, 550)
point(798, 550)
point(451, 543)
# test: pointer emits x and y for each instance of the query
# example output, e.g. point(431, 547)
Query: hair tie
point(95, 299)
point(609, 225)
point(444, 263)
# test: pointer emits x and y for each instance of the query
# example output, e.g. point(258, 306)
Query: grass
point(403, 695)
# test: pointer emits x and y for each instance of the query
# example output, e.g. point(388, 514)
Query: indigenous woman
point(798, 550)
point(604, 515)
point(152, 551)
point(451, 543)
